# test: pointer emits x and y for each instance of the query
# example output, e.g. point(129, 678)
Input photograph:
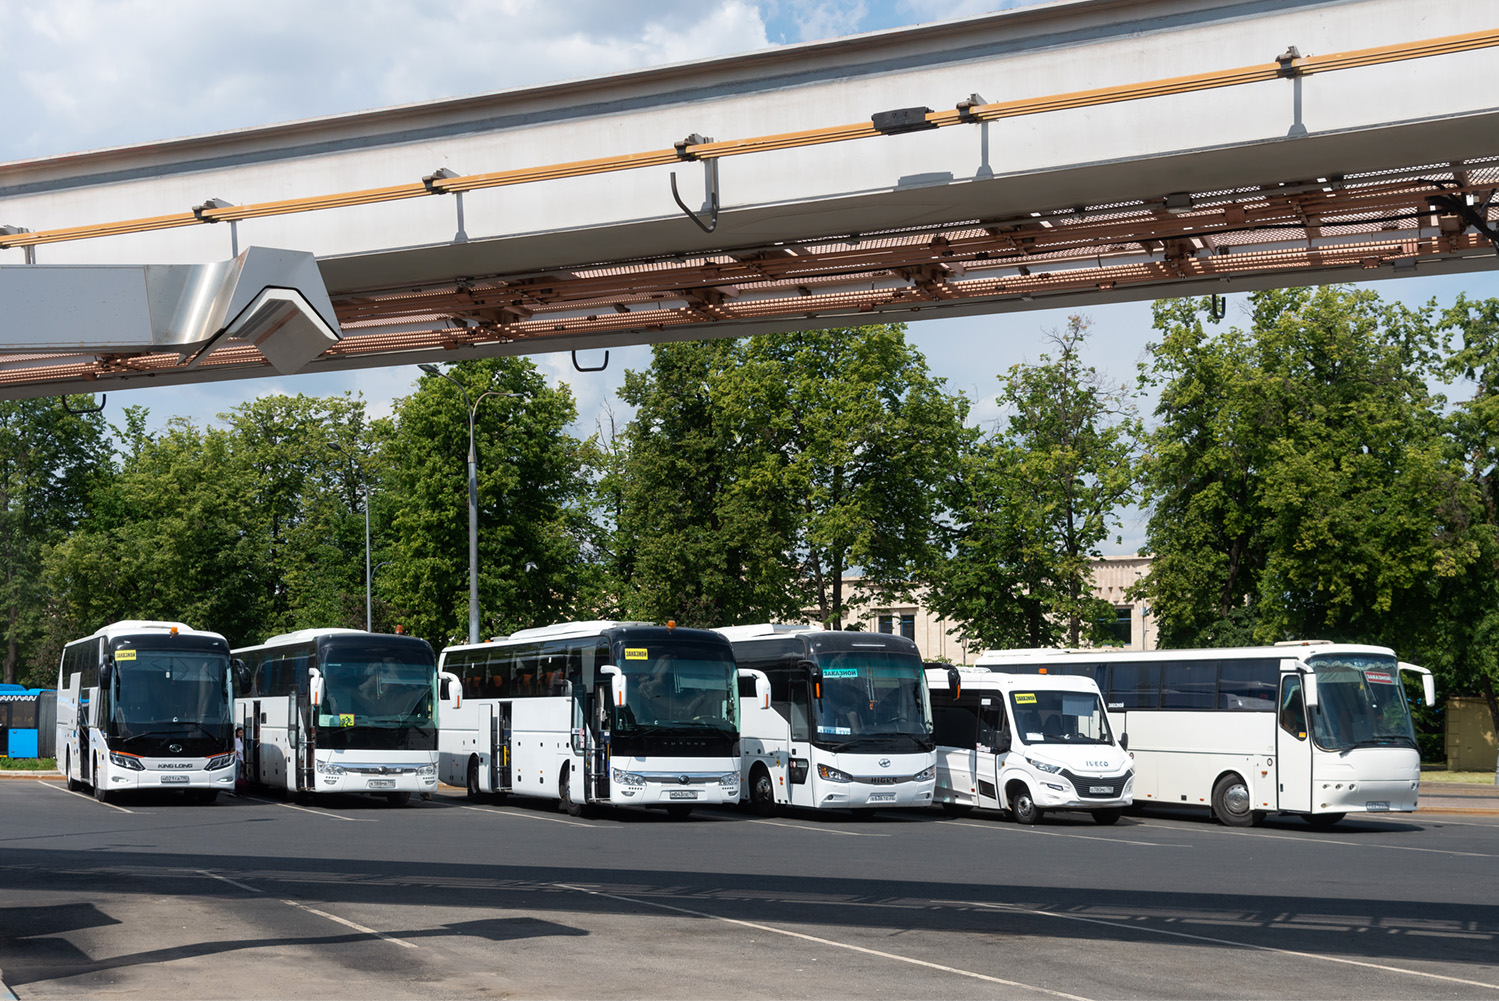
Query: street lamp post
point(473, 494)
point(364, 483)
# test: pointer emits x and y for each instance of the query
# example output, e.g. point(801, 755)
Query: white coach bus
point(848, 724)
point(340, 711)
point(1307, 727)
point(1028, 744)
point(146, 705)
point(619, 713)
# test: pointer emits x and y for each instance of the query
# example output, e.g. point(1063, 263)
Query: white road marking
point(819, 830)
point(349, 924)
point(1330, 841)
point(528, 816)
point(1017, 909)
point(70, 792)
point(823, 941)
point(226, 879)
point(321, 813)
point(1060, 834)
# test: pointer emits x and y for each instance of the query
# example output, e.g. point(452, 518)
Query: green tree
point(175, 536)
point(1031, 506)
point(703, 521)
point(51, 461)
point(1304, 477)
point(532, 518)
point(855, 435)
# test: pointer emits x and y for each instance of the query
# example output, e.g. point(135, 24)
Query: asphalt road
point(356, 899)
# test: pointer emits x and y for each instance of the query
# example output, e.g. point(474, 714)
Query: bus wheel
point(1106, 817)
point(1323, 821)
point(100, 793)
point(473, 778)
point(204, 797)
point(957, 809)
point(1022, 807)
point(67, 769)
point(762, 792)
point(1231, 803)
point(564, 795)
point(678, 811)
point(398, 798)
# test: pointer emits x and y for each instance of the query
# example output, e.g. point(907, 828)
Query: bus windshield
point(873, 700)
point(1361, 703)
point(166, 693)
point(677, 686)
point(1056, 717)
point(389, 689)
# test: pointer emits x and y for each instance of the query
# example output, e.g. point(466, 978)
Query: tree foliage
point(1032, 504)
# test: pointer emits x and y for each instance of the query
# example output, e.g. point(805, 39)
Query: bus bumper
point(377, 779)
point(1367, 796)
point(1053, 792)
point(689, 787)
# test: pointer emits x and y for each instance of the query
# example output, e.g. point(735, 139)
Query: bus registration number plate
point(382, 783)
point(1100, 790)
point(681, 794)
point(882, 797)
point(1377, 806)
point(165, 779)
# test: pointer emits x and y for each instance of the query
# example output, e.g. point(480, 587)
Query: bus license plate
point(881, 797)
point(382, 783)
point(681, 794)
point(1100, 790)
point(1377, 806)
point(165, 779)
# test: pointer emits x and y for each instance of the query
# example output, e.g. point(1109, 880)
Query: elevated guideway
point(1060, 155)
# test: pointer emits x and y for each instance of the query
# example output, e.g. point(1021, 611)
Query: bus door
point(249, 768)
point(798, 762)
point(993, 742)
point(299, 774)
point(494, 724)
point(1293, 747)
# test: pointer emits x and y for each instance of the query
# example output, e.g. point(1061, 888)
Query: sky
point(87, 74)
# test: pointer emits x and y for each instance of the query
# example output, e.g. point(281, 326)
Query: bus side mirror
point(241, 673)
point(954, 683)
point(315, 685)
point(1002, 742)
point(1309, 690)
point(617, 689)
point(762, 686)
point(1428, 686)
point(815, 674)
point(450, 688)
point(1124, 742)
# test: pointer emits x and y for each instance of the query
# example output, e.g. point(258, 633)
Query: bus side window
point(955, 724)
point(1292, 712)
point(800, 720)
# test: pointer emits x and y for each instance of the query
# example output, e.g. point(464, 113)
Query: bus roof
point(313, 635)
point(1284, 650)
point(992, 682)
point(562, 630)
point(139, 627)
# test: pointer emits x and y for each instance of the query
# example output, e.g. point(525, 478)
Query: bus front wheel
point(1022, 807)
point(564, 794)
point(762, 792)
point(473, 778)
point(1106, 817)
point(1232, 804)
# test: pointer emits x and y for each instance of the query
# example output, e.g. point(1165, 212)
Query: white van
point(1027, 744)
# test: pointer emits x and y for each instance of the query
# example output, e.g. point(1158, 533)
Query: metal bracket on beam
point(431, 180)
point(711, 164)
point(1217, 307)
point(84, 411)
point(965, 107)
point(212, 203)
point(1287, 60)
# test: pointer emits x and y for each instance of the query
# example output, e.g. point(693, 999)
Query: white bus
point(146, 705)
point(340, 711)
point(1028, 744)
point(848, 724)
point(1307, 727)
point(620, 713)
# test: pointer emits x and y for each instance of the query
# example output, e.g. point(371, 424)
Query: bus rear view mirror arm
point(617, 689)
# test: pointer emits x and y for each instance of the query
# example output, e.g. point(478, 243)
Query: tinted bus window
point(1248, 684)
point(1134, 686)
point(1189, 684)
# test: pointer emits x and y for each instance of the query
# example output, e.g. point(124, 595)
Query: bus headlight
point(832, 774)
point(1043, 766)
point(129, 761)
point(222, 761)
point(729, 779)
point(427, 771)
point(329, 768)
point(624, 778)
point(925, 775)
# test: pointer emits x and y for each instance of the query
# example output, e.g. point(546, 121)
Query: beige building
point(1133, 629)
